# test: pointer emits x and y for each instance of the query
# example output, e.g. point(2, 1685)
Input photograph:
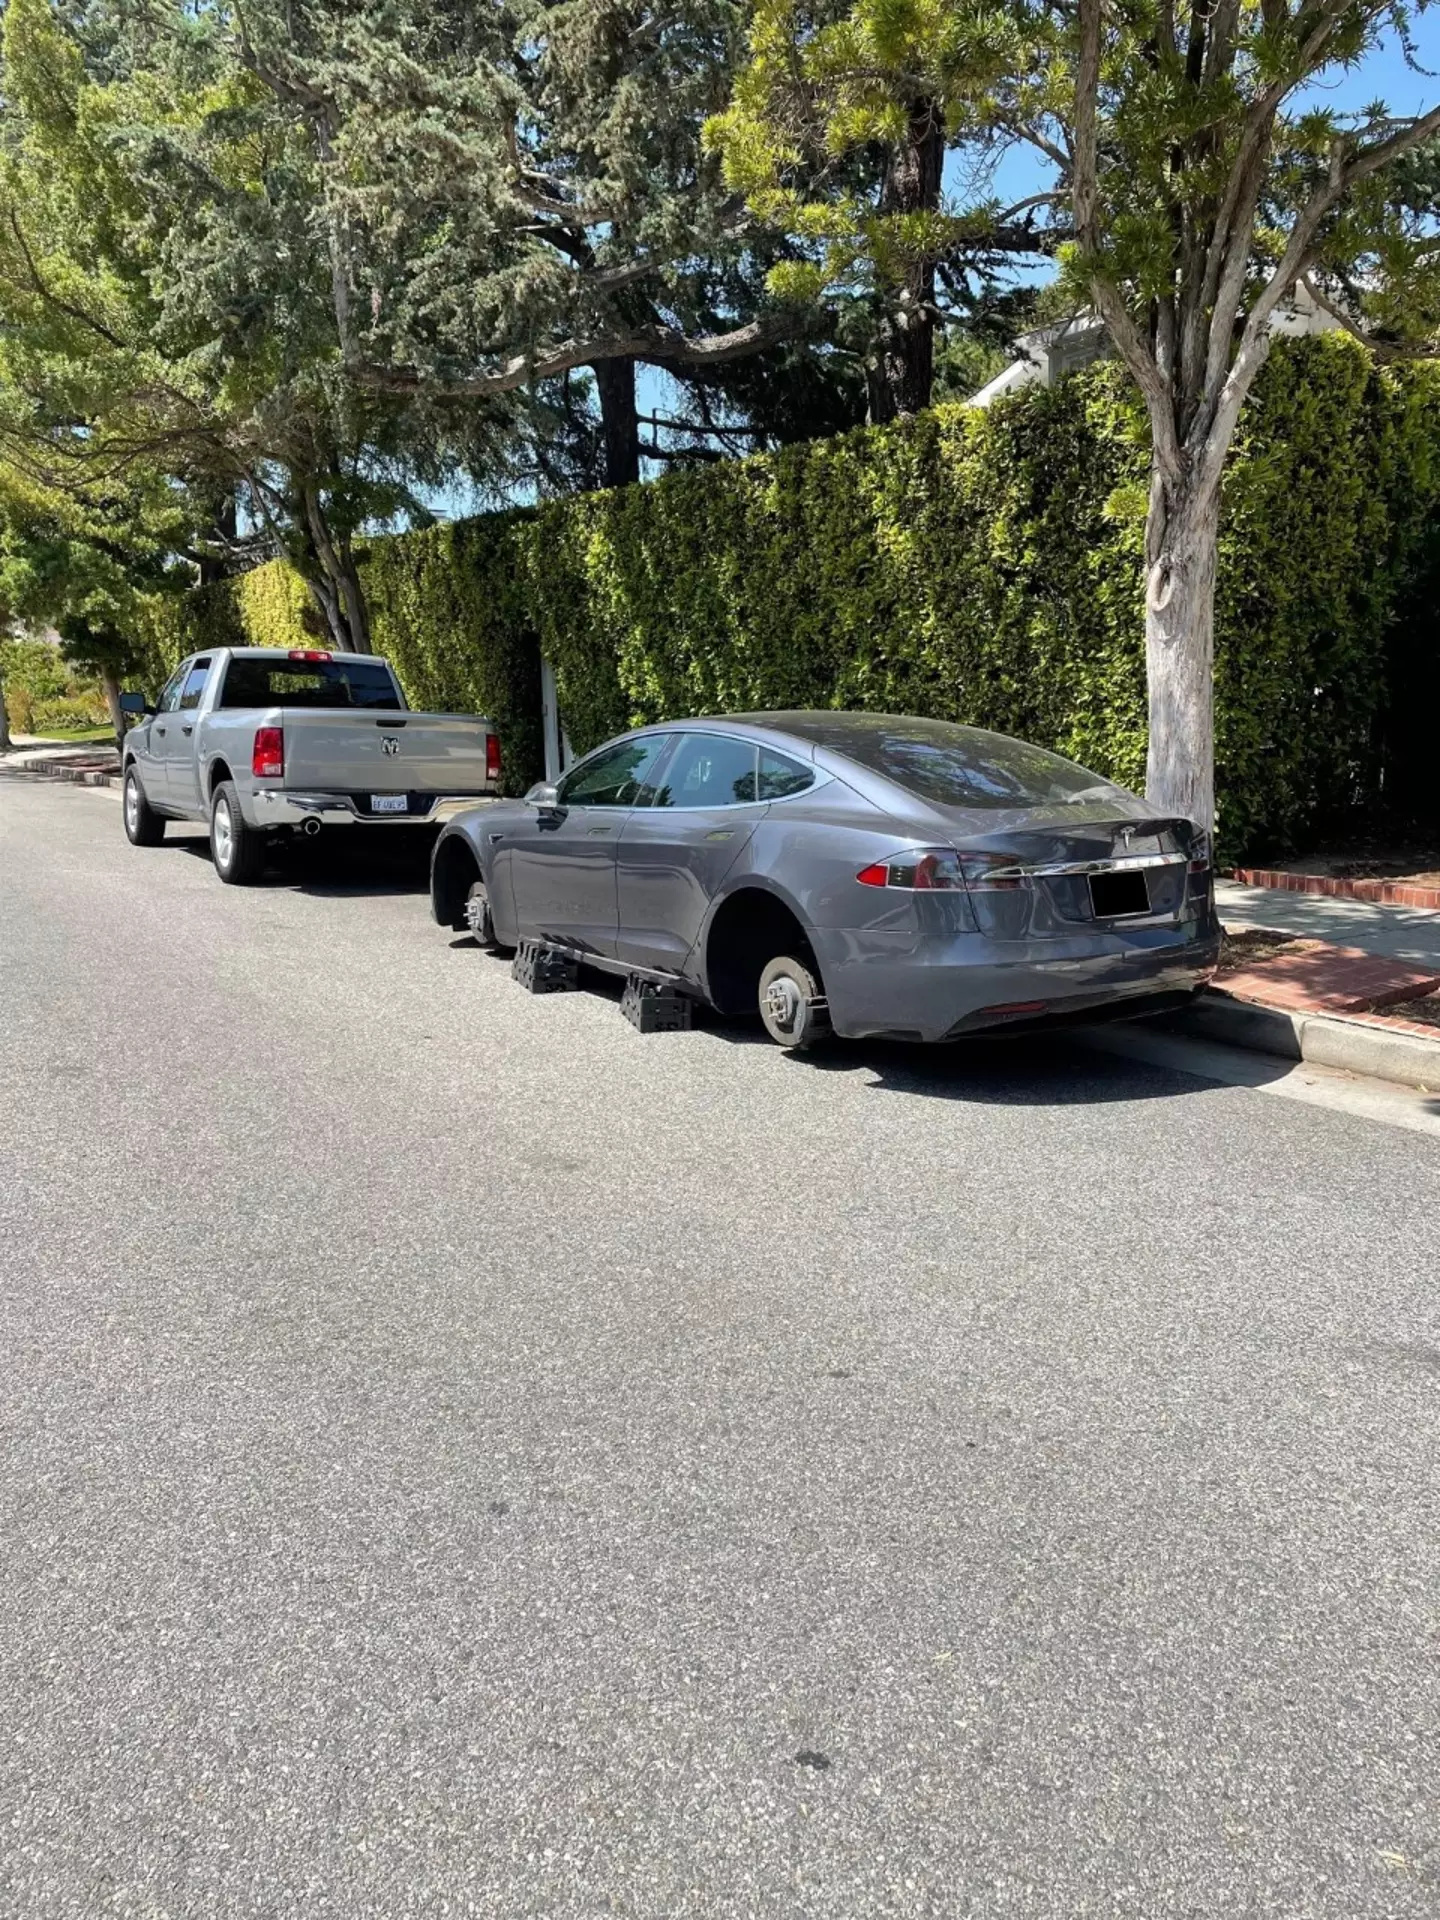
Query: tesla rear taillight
point(267, 761)
point(309, 653)
point(492, 759)
point(1200, 853)
point(923, 870)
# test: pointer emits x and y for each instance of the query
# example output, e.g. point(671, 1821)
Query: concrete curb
point(1324, 1039)
point(42, 769)
point(1375, 893)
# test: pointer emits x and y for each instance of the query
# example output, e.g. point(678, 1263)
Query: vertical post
point(550, 721)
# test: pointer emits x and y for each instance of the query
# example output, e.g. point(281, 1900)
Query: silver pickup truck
point(259, 741)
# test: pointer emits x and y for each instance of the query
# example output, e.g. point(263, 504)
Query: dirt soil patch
point(1421, 1013)
point(1409, 865)
point(1248, 946)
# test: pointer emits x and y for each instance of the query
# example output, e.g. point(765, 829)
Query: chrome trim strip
point(1125, 863)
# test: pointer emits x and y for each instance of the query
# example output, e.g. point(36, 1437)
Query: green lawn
point(77, 735)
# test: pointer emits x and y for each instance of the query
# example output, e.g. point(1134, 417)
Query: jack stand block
point(651, 1008)
point(540, 969)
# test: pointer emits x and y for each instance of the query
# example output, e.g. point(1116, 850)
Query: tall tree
point(1208, 179)
point(515, 192)
point(166, 294)
point(838, 133)
point(98, 570)
point(615, 94)
point(1205, 179)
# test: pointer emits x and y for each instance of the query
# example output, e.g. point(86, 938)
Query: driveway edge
point(43, 769)
point(1325, 1040)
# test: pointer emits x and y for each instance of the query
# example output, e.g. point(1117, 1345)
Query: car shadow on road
point(1024, 1070)
point(1054, 1068)
point(329, 869)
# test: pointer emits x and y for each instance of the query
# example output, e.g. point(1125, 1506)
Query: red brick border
point(1384, 893)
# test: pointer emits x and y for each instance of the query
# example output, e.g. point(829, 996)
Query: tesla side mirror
point(543, 796)
point(135, 706)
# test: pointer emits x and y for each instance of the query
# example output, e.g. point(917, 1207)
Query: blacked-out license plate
point(1113, 895)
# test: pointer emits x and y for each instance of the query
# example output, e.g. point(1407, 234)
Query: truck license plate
point(389, 803)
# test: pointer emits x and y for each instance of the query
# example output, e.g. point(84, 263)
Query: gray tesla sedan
point(854, 872)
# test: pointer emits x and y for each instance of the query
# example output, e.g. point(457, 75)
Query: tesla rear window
point(965, 767)
point(309, 683)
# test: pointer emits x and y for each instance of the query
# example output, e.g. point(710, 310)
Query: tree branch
point(1385, 350)
point(658, 346)
point(1085, 196)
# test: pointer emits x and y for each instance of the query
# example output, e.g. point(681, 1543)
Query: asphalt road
point(458, 1456)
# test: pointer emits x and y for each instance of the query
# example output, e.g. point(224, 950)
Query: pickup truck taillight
point(492, 758)
point(267, 762)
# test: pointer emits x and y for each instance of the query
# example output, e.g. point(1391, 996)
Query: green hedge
point(982, 566)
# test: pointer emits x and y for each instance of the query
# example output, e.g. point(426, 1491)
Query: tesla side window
point(967, 767)
point(612, 778)
point(779, 777)
point(708, 770)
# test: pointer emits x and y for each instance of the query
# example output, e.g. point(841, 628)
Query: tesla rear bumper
point(903, 988)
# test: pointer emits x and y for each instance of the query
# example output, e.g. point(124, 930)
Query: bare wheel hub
point(477, 915)
point(783, 1002)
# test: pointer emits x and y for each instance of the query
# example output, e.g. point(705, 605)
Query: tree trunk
point(215, 566)
point(334, 579)
point(619, 420)
point(4, 722)
point(112, 701)
point(1181, 541)
point(907, 336)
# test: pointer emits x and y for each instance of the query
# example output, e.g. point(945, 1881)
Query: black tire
point(792, 1004)
point(143, 826)
point(479, 920)
point(237, 850)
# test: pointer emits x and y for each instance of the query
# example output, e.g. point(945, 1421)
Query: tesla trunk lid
point(1110, 875)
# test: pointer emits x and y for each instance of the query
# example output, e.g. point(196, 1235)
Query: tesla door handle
point(592, 831)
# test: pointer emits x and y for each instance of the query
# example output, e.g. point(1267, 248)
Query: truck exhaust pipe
point(311, 827)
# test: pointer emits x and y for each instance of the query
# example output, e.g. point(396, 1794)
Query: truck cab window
point(194, 685)
point(170, 692)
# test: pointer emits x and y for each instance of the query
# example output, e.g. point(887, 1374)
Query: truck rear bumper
point(271, 807)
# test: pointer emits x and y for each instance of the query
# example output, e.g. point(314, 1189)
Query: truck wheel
point(236, 849)
point(478, 917)
point(143, 826)
point(792, 1004)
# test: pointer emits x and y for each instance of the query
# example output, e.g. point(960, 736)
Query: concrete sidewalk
point(1397, 933)
point(1320, 1002)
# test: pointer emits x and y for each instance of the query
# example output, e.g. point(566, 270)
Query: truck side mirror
point(135, 706)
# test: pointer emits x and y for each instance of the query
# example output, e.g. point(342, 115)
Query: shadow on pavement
point(329, 869)
point(1045, 1069)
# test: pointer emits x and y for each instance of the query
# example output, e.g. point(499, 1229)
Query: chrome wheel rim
point(132, 804)
point(224, 833)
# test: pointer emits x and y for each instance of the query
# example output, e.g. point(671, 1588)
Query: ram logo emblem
point(390, 745)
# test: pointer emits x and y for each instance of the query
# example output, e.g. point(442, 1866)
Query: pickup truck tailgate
point(344, 752)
